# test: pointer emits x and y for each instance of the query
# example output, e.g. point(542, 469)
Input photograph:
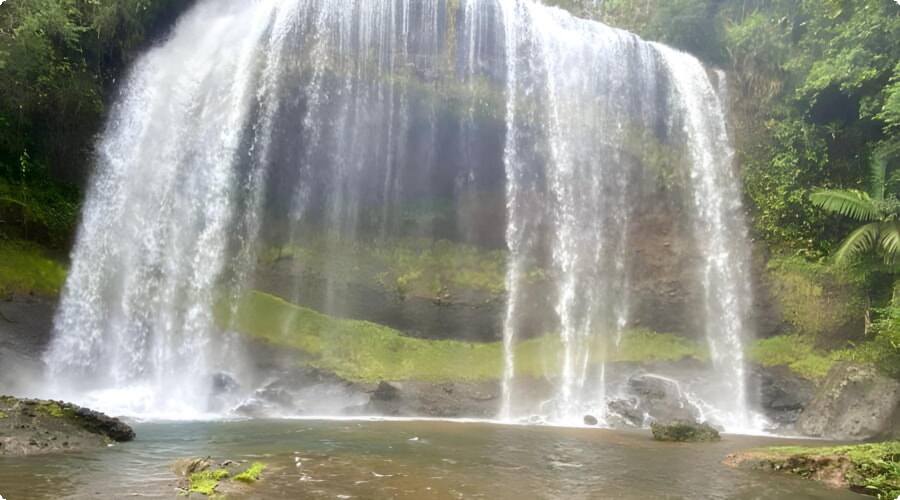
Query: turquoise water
point(411, 460)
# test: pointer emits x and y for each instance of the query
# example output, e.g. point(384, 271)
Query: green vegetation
point(57, 60)
point(25, 268)
point(359, 350)
point(3, 415)
point(817, 299)
point(827, 306)
point(881, 236)
point(363, 351)
point(876, 467)
point(252, 473)
point(206, 482)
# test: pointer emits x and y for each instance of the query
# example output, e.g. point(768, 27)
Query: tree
point(881, 233)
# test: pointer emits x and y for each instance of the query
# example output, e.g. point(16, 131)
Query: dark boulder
point(783, 394)
point(590, 420)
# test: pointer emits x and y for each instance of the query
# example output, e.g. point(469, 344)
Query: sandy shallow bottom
point(366, 459)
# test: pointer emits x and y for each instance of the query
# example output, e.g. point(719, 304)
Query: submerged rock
point(684, 432)
point(854, 402)
point(33, 426)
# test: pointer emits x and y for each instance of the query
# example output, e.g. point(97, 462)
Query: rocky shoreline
point(34, 426)
point(852, 402)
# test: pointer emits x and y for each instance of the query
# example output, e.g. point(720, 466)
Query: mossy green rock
point(684, 432)
point(33, 426)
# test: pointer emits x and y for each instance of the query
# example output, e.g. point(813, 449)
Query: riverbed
point(370, 459)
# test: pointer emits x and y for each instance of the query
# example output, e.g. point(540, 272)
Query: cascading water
point(257, 121)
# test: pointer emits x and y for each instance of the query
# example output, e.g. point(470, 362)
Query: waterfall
point(257, 124)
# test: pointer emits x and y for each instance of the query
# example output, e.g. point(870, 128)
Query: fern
point(890, 241)
point(860, 240)
point(850, 203)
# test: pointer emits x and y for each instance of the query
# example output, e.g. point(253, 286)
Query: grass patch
point(3, 415)
point(876, 466)
point(206, 482)
point(251, 475)
point(368, 352)
point(25, 268)
point(798, 352)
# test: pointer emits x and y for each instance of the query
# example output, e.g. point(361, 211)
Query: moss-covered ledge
point(362, 351)
point(872, 468)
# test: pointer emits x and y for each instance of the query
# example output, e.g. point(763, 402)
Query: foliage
point(876, 466)
point(803, 357)
point(368, 352)
point(795, 351)
point(251, 474)
point(882, 236)
point(35, 207)
point(817, 299)
point(57, 59)
point(25, 269)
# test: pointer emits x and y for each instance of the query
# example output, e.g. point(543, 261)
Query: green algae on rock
point(684, 432)
point(252, 473)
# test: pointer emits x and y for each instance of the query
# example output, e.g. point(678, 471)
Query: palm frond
point(889, 241)
point(863, 239)
point(878, 176)
point(851, 203)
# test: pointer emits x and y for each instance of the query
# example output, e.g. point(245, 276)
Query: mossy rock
point(33, 426)
point(684, 432)
point(872, 468)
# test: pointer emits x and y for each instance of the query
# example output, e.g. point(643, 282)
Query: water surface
point(411, 460)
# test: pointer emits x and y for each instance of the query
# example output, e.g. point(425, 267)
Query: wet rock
point(99, 423)
point(184, 467)
point(625, 412)
point(657, 399)
point(684, 432)
point(590, 420)
point(783, 394)
point(854, 402)
point(476, 399)
point(223, 383)
point(387, 391)
point(32, 426)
